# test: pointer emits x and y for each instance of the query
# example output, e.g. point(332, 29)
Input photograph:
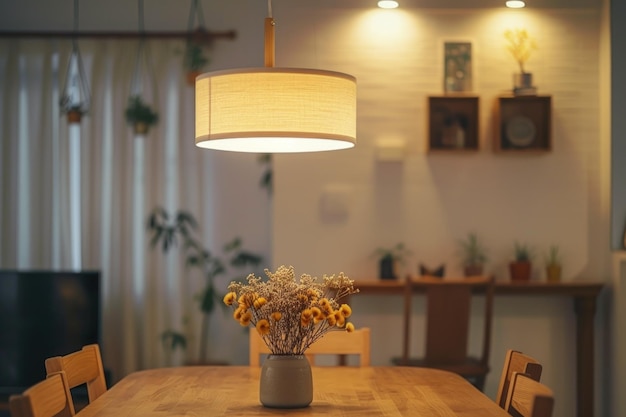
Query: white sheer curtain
point(34, 214)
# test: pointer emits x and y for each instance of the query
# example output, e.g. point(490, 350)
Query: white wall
point(430, 201)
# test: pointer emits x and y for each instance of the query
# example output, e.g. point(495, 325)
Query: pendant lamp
point(275, 110)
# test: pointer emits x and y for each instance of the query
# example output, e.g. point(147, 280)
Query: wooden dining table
point(337, 391)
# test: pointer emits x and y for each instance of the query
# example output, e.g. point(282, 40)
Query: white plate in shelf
point(520, 131)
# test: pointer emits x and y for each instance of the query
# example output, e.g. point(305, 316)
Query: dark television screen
point(44, 314)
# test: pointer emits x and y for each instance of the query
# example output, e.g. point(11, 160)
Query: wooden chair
point(81, 367)
point(528, 398)
point(516, 362)
point(333, 343)
point(48, 398)
point(448, 324)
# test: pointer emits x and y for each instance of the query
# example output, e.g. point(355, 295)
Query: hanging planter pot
point(140, 115)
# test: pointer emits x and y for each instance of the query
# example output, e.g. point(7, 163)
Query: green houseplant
point(194, 61)
point(521, 266)
point(140, 115)
point(166, 232)
point(553, 264)
point(473, 254)
point(389, 259)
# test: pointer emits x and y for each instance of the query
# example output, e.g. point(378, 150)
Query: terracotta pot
point(553, 273)
point(520, 270)
point(473, 270)
point(74, 116)
point(140, 128)
point(191, 77)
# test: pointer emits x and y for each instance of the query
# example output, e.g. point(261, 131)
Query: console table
point(584, 295)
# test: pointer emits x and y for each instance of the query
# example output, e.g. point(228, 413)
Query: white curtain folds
point(143, 291)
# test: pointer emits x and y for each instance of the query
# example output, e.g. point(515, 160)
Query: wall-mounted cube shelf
point(523, 124)
point(453, 123)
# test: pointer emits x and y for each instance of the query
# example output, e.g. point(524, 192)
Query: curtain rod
point(197, 34)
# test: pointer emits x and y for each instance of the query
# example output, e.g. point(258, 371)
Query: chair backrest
point(449, 303)
point(333, 343)
point(528, 398)
point(516, 362)
point(48, 398)
point(81, 367)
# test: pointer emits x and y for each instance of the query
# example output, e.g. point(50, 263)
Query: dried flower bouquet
point(520, 45)
point(291, 315)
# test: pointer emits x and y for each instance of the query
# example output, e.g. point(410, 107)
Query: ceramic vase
point(286, 382)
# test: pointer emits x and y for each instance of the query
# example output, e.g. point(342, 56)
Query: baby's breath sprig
point(290, 315)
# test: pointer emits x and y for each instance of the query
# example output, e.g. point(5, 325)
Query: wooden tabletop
point(337, 391)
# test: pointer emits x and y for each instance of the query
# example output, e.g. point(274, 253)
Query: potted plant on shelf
point(473, 254)
point(140, 115)
point(389, 259)
point(166, 232)
point(553, 264)
point(520, 45)
point(521, 267)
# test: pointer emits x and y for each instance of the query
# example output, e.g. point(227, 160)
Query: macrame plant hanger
point(76, 97)
point(74, 103)
point(143, 87)
point(196, 58)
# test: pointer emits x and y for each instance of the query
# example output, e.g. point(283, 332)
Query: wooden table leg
point(585, 308)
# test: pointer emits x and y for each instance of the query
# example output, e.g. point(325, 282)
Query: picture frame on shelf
point(453, 123)
point(523, 124)
point(457, 66)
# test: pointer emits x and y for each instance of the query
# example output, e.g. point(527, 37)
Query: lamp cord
point(269, 8)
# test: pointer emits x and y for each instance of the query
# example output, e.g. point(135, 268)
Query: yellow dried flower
point(229, 298)
point(345, 310)
point(239, 312)
point(349, 327)
point(259, 302)
point(245, 319)
point(339, 319)
point(263, 327)
point(276, 305)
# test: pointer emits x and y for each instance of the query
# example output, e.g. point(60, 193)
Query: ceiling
point(50, 15)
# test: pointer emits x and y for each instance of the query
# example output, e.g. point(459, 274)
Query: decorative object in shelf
point(289, 316)
point(474, 255)
point(521, 267)
point(523, 124)
point(457, 67)
point(453, 123)
point(553, 264)
point(389, 259)
point(520, 45)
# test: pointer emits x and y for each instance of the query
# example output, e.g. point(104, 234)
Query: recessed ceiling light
point(515, 4)
point(387, 4)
